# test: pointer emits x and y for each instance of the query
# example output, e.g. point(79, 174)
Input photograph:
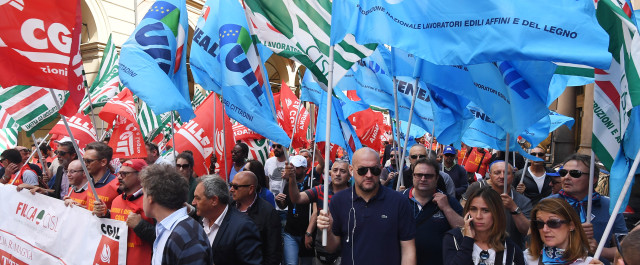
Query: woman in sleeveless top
point(483, 240)
point(557, 237)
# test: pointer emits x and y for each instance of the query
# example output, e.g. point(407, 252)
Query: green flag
point(107, 83)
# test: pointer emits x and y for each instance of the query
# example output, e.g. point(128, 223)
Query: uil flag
point(126, 140)
point(153, 59)
point(37, 41)
point(198, 135)
point(226, 55)
point(81, 127)
point(290, 104)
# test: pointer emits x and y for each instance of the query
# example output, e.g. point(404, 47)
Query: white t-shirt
point(529, 260)
point(273, 169)
point(539, 180)
point(475, 256)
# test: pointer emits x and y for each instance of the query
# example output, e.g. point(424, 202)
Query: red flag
point(36, 43)
point(76, 85)
point(121, 105)
point(197, 135)
point(80, 126)
point(332, 153)
point(286, 126)
point(126, 139)
point(241, 132)
point(290, 104)
point(368, 125)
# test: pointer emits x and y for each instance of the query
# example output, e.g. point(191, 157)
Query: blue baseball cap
point(449, 150)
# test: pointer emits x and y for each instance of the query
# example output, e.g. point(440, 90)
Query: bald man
point(383, 228)
point(243, 191)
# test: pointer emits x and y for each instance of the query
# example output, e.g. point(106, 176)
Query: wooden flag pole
point(75, 146)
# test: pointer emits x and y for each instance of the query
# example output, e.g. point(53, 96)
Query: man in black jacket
point(535, 185)
point(243, 191)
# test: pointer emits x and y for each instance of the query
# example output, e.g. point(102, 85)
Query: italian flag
point(617, 90)
point(300, 30)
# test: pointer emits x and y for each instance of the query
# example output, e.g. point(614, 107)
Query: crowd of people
point(448, 208)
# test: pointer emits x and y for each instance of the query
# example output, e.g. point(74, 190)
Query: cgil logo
point(39, 217)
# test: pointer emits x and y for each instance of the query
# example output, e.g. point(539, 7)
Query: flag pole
point(523, 171)
point(75, 146)
point(400, 154)
point(20, 170)
point(215, 137)
point(393, 146)
point(173, 135)
point(41, 158)
point(327, 146)
point(313, 159)
point(433, 136)
point(506, 165)
point(590, 194)
point(616, 209)
point(406, 136)
point(93, 115)
point(295, 125)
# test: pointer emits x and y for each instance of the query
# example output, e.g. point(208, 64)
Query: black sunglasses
point(574, 173)
point(484, 256)
point(61, 153)
point(375, 170)
point(449, 155)
point(551, 223)
point(538, 154)
point(418, 156)
point(88, 161)
point(183, 166)
point(274, 146)
point(617, 238)
point(236, 186)
point(420, 176)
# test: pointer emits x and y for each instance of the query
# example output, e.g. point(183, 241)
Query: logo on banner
point(107, 248)
point(40, 218)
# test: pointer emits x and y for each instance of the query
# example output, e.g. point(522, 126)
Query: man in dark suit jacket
point(233, 236)
point(261, 212)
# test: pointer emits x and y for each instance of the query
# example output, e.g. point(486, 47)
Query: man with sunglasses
point(418, 151)
point(273, 169)
point(435, 213)
point(59, 183)
point(139, 250)
point(239, 155)
point(535, 185)
point(575, 189)
point(455, 171)
point(370, 223)
point(97, 156)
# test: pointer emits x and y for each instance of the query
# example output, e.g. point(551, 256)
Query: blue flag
point(310, 90)
point(153, 59)
point(472, 32)
point(625, 158)
point(453, 118)
point(484, 132)
point(541, 129)
point(342, 132)
point(414, 133)
point(225, 57)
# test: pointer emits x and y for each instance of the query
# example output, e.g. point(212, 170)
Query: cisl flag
point(81, 127)
point(290, 104)
point(126, 140)
point(198, 135)
point(37, 38)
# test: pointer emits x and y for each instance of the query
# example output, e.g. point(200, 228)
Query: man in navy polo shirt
point(435, 213)
point(372, 224)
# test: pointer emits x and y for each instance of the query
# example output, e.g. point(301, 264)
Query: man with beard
point(239, 155)
point(536, 179)
point(139, 251)
point(273, 169)
point(340, 175)
point(97, 156)
point(60, 181)
point(382, 225)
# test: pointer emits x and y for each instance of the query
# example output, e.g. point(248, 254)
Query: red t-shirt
point(106, 193)
point(138, 250)
point(79, 197)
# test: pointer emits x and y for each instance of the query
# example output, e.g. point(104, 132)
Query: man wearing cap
point(455, 171)
point(297, 215)
point(319, 168)
point(16, 172)
point(535, 184)
point(139, 251)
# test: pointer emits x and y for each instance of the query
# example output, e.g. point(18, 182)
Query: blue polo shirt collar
point(379, 195)
point(104, 178)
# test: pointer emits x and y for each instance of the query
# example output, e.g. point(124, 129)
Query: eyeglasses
point(418, 156)
point(183, 166)
point(236, 186)
point(61, 153)
point(124, 174)
point(538, 154)
point(276, 146)
point(88, 161)
point(484, 256)
point(617, 238)
point(420, 176)
point(574, 173)
point(74, 171)
point(551, 223)
point(375, 170)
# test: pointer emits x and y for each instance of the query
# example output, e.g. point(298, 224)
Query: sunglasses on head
point(484, 256)
point(418, 156)
point(574, 173)
point(375, 170)
point(540, 154)
point(551, 223)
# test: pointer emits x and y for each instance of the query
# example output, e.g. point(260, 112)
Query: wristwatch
point(307, 234)
point(517, 211)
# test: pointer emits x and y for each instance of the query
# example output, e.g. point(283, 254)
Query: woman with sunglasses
point(483, 240)
point(557, 237)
